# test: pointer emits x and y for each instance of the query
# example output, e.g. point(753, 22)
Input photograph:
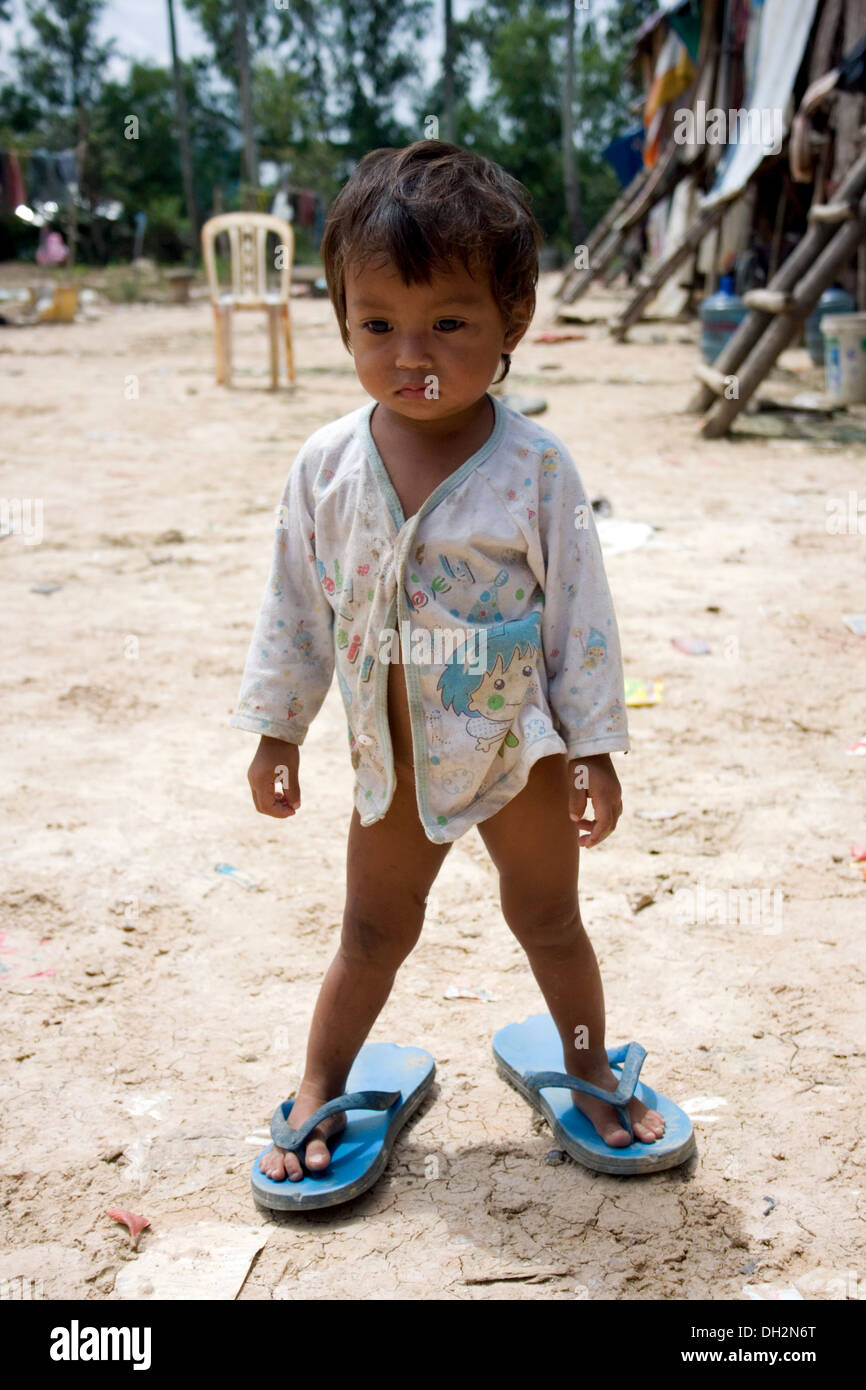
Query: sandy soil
point(156, 1010)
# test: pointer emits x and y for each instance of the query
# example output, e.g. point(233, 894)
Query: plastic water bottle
point(832, 301)
point(721, 315)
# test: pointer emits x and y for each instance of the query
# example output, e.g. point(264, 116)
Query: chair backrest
point(247, 235)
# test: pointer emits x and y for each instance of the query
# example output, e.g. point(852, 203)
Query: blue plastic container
point(832, 301)
point(721, 316)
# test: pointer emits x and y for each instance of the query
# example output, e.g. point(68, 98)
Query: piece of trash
point(858, 859)
point(638, 901)
point(135, 1224)
point(692, 646)
point(602, 506)
point(748, 1268)
point(858, 748)
point(766, 1292)
point(485, 996)
point(658, 815)
point(698, 1108)
point(638, 693)
point(45, 588)
point(525, 405)
point(551, 335)
point(856, 622)
point(554, 1156)
point(771, 1207)
point(618, 537)
point(209, 1260)
point(238, 875)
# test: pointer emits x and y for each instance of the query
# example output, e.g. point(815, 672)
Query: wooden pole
point(783, 327)
point(449, 121)
point(789, 274)
point(183, 140)
point(653, 282)
point(570, 186)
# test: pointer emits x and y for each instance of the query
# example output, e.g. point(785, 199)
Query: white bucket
point(845, 357)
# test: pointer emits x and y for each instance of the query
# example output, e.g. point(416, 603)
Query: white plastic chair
point(248, 235)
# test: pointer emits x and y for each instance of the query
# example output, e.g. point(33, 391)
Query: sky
point(140, 28)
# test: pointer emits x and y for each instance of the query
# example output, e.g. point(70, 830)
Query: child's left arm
point(582, 652)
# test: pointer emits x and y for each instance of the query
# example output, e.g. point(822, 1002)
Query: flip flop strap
point(286, 1137)
point(632, 1057)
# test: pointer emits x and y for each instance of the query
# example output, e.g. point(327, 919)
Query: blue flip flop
point(386, 1085)
point(527, 1055)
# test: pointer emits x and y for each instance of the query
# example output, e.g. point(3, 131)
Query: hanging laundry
point(52, 249)
point(306, 208)
point(674, 72)
point(14, 191)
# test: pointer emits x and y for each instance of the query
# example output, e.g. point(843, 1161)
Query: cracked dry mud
point(177, 1010)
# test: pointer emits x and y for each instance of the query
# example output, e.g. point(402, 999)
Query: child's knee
point(544, 923)
point(379, 940)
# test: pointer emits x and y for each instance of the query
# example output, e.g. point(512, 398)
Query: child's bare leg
point(535, 847)
point(390, 869)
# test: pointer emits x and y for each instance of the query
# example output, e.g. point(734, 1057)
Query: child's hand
point(275, 761)
point(594, 779)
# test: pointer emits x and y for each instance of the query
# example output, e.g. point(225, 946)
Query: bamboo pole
point(784, 327)
point(789, 274)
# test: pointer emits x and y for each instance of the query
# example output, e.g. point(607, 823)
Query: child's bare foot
point(648, 1124)
point(279, 1164)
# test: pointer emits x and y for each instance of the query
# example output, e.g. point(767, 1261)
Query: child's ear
point(519, 321)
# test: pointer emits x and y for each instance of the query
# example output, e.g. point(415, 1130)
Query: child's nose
point(413, 350)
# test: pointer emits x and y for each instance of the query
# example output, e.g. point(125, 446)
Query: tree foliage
point(331, 79)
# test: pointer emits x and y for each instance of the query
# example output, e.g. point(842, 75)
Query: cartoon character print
point(615, 717)
point(491, 699)
point(550, 457)
point(486, 606)
point(594, 648)
point(303, 642)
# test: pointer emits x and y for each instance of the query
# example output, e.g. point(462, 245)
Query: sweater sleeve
point(579, 630)
point(291, 656)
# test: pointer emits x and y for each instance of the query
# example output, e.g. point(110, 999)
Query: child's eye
point(377, 326)
point(499, 685)
point(448, 325)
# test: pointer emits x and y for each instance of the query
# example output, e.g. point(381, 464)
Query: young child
point(439, 552)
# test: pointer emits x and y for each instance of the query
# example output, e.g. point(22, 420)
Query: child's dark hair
point(426, 205)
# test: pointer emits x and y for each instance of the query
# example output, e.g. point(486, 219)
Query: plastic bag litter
point(484, 996)
point(692, 646)
point(238, 875)
point(617, 537)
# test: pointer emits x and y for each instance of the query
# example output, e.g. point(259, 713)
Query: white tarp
point(782, 34)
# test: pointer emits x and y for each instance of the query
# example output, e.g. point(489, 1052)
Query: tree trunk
point(183, 131)
point(569, 162)
point(449, 122)
point(243, 51)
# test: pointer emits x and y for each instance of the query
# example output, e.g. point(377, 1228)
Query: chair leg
point(290, 356)
point(219, 355)
point(227, 343)
point(274, 343)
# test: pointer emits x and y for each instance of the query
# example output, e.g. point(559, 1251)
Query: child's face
point(425, 351)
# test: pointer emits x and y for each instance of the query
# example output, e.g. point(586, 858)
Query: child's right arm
point(291, 656)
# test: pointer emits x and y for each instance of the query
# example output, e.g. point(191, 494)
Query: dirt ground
point(156, 1010)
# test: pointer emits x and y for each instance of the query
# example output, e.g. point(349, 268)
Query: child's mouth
point(412, 392)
